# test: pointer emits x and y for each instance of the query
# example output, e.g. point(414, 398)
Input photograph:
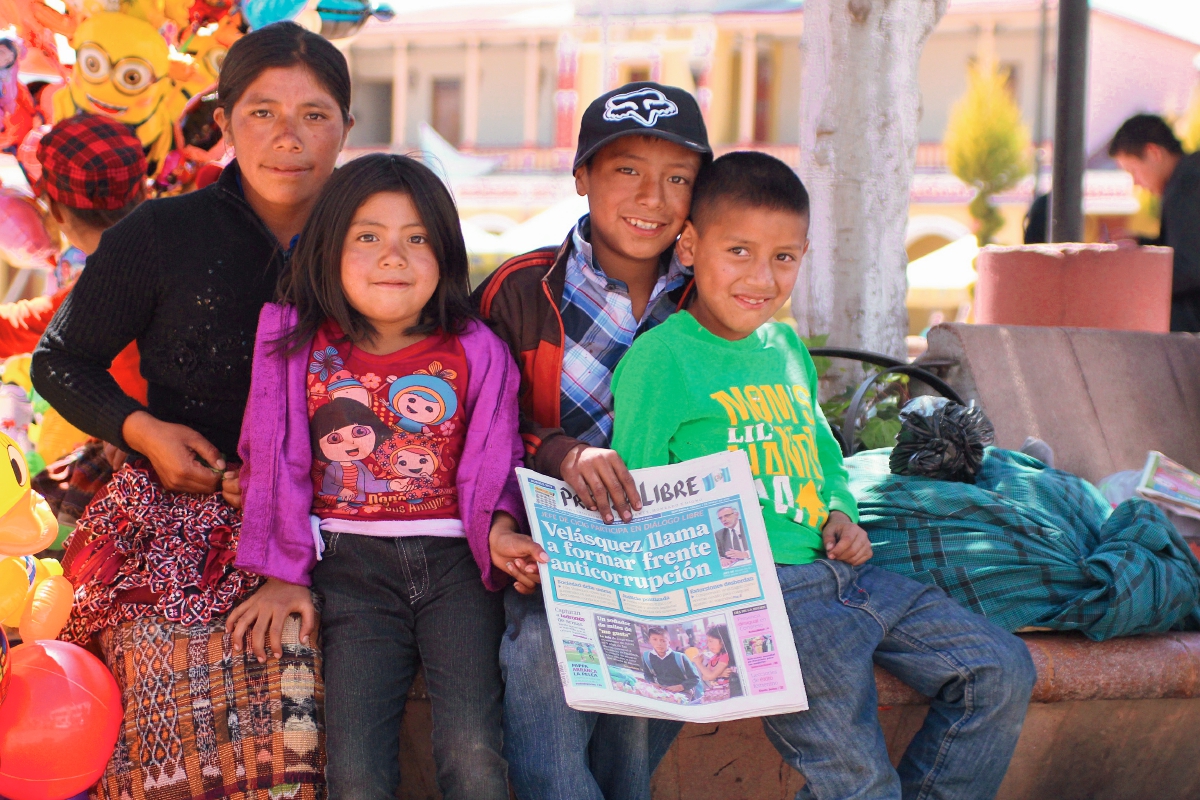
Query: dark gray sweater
point(186, 278)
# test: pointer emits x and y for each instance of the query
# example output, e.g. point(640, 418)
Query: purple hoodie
point(276, 451)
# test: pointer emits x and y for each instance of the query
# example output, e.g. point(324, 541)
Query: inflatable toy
point(27, 524)
point(342, 18)
point(4, 674)
point(24, 241)
point(122, 68)
point(59, 723)
point(47, 609)
point(259, 13)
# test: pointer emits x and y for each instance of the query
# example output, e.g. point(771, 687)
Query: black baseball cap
point(643, 108)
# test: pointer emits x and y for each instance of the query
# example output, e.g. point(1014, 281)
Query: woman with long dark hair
point(152, 557)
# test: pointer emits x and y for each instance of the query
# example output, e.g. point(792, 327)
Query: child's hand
point(845, 541)
point(602, 481)
point(515, 553)
point(266, 610)
point(231, 486)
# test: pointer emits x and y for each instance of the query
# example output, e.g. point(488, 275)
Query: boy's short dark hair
point(655, 631)
point(746, 178)
point(1140, 130)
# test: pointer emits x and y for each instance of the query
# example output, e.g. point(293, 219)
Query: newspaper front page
point(677, 614)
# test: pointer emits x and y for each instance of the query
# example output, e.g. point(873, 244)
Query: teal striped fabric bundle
point(1027, 545)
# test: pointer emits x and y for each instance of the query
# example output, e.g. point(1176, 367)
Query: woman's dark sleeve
point(110, 306)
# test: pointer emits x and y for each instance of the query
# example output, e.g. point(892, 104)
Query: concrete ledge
point(1071, 667)
point(1109, 721)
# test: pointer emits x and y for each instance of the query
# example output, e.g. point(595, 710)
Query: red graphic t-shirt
point(387, 434)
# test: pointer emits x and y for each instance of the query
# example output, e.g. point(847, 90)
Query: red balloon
point(59, 723)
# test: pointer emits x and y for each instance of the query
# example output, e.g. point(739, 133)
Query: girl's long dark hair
point(314, 283)
point(721, 634)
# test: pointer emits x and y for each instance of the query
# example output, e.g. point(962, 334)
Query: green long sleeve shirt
point(682, 392)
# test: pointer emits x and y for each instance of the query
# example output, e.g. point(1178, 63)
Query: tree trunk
point(858, 144)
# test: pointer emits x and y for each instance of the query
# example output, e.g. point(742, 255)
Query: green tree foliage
point(987, 145)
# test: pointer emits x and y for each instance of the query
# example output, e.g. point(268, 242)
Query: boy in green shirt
point(721, 375)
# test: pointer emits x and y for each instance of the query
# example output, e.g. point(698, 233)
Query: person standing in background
point(1146, 148)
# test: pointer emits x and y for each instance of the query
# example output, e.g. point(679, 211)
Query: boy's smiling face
point(746, 261)
point(639, 189)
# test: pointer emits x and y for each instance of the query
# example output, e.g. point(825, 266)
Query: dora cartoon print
point(344, 432)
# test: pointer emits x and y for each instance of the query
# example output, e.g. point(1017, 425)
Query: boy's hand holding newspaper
point(845, 541)
point(602, 481)
point(514, 553)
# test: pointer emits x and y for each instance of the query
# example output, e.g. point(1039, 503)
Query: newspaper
point(639, 612)
point(1170, 484)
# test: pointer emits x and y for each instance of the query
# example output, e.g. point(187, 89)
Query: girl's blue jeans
point(390, 604)
point(846, 619)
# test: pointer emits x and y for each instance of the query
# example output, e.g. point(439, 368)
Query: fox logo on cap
point(644, 106)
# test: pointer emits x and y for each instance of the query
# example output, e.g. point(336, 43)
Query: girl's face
point(350, 443)
point(389, 269)
point(413, 463)
point(714, 645)
point(418, 408)
point(287, 130)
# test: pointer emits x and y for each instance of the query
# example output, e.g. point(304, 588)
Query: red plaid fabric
point(91, 162)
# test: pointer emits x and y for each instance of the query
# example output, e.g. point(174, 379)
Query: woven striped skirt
point(203, 722)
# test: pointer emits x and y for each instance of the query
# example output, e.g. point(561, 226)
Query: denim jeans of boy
point(555, 752)
point(979, 677)
point(390, 604)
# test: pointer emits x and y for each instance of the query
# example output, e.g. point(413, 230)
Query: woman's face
point(714, 645)
point(287, 131)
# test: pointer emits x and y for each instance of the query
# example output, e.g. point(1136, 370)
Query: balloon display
point(59, 722)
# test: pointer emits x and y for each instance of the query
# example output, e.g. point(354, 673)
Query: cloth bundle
point(1030, 546)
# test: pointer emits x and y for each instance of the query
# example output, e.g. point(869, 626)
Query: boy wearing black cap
point(569, 314)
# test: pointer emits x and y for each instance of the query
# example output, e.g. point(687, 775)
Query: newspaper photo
point(677, 614)
point(1170, 484)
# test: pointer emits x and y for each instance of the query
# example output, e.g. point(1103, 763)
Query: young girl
point(402, 513)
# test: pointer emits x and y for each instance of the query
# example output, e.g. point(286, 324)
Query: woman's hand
point(266, 610)
point(845, 541)
point(602, 481)
point(515, 553)
point(231, 487)
point(174, 451)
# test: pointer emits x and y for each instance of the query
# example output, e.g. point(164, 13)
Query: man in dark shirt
point(668, 668)
point(1146, 148)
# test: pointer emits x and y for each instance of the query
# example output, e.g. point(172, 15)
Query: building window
point(447, 109)
point(636, 73)
point(762, 98)
point(372, 109)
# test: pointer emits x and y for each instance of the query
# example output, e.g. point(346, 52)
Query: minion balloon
point(121, 72)
point(27, 525)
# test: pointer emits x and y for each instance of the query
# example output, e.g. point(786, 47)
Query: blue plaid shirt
point(599, 326)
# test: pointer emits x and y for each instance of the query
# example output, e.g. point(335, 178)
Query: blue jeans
point(390, 604)
point(979, 677)
point(555, 752)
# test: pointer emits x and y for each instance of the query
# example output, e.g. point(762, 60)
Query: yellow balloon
point(47, 611)
point(16, 370)
point(121, 72)
point(14, 585)
point(27, 524)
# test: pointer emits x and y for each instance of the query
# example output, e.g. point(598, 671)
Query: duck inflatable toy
point(34, 595)
point(27, 525)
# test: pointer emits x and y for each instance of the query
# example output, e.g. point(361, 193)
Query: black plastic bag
point(941, 439)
